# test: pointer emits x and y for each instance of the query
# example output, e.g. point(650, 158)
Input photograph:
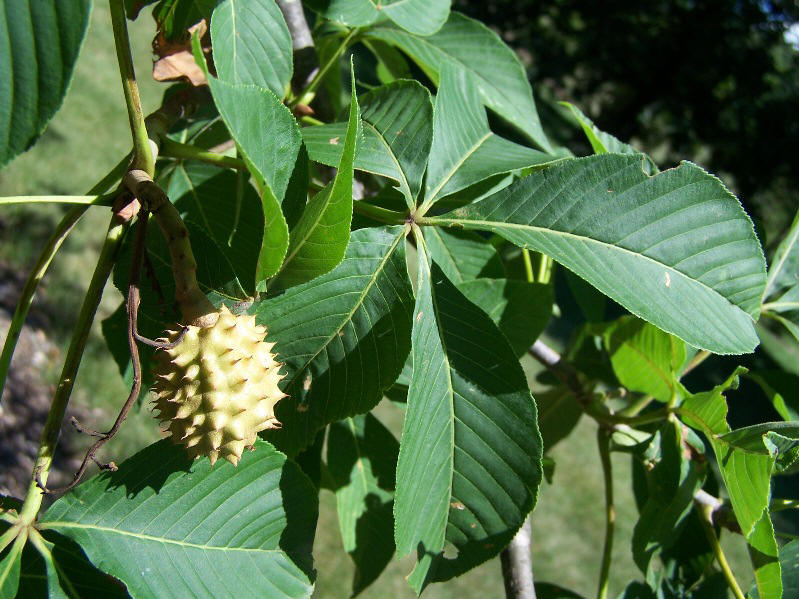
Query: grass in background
point(86, 138)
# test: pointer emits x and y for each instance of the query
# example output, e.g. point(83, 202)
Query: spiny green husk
point(218, 387)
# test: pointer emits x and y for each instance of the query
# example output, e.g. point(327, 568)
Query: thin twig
point(706, 516)
point(603, 441)
point(132, 310)
point(77, 344)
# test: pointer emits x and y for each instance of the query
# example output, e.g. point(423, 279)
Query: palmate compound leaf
point(361, 459)
point(470, 456)
point(343, 336)
point(39, 44)
point(170, 527)
point(254, 44)
point(675, 249)
point(397, 132)
point(464, 150)
point(492, 67)
point(318, 241)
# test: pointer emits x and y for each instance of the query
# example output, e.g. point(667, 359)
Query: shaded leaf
point(252, 44)
point(343, 336)
point(673, 482)
point(783, 272)
point(39, 44)
point(654, 244)
point(397, 132)
point(470, 423)
point(318, 241)
point(520, 309)
point(463, 255)
point(644, 358)
point(10, 560)
point(174, 17)
point(492, 67)
point(160, 509)
point(362, 457)
point(782, 389)
point(558, 414)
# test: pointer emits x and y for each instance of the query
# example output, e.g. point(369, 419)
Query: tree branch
point(305, 62)
point(517, 565)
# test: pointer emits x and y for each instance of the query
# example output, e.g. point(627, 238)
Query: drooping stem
point(706, 516)
point(194, 305)
point(77, 344)
point(603, 441)
point(517, 565)
point(142, 155)
point(45, 257)
point(176, 149)
point(87, 200)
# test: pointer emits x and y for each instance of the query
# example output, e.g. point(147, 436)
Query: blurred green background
point(714, 82)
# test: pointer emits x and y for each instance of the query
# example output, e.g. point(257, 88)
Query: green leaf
point(520, 309)
point(269, 139)
point(470, 423)
point(422, 17)
point(463, 255)
point(675, 249)
point(343, 336)
point(161, 509)
point(318, 241)
point(397, 132)
point(558, 414)
point(782, 389)
point(764, 553)
point(39, 44)
point(644, 358)
point(602, 142)
point(492, 67)
point(673, 482)
point(783, 272)
point(362, 457)
point(464, 150)
point(58, 568)
point(10, 567)
point(252, 44)
point(746, 467)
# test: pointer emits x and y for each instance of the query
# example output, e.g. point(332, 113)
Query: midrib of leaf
point(309, 231)
point(63, 579)
point(404, 180)
point(429, 200)
point(776, 268)
point(484, 224)
point(781, 306)
point(58, 524)
point(348, 316)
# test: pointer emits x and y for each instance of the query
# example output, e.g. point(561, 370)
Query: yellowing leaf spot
point(303, 407)
point(457, 505)
point(667, 279)
point(419, 316)
point(306, 384)
point(334, 141)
